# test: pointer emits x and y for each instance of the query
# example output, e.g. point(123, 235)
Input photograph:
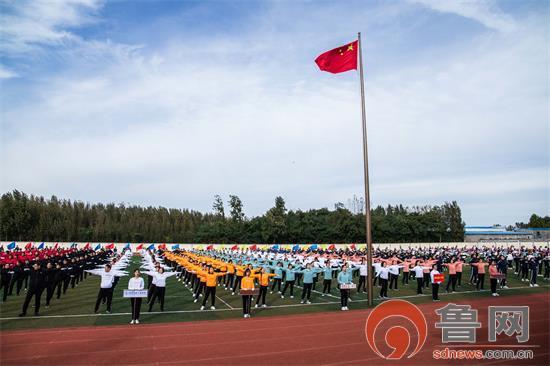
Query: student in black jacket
point(36, 287)
point(5, 280)
point(49, 282)
point(67, 271)
point(17, 278)
point(27, 267)
point(58, 280)
point(74, 272)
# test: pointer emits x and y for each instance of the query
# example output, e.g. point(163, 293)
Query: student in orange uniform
point(201, 282)
point(247, 283)
point(210, 289)
point(263, 280)
point(239, 272)
point(230, 278)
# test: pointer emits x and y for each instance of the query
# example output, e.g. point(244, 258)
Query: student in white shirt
point(363, 273)
point(383, 275)
point(419, 275)
point(106, 287)
point(160, 286)
point(136, 283)
point(376, 266)
point(435, 286)
point(394, 273)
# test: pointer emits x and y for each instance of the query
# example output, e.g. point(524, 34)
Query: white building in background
point(495, 233)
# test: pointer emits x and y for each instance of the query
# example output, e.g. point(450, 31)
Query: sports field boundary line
point(217, 297)
point(318, 292)
point(226, 304)
point(267, 307)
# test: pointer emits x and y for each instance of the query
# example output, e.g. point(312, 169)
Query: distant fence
point(170, 246)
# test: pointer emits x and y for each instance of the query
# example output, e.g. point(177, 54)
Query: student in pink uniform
point(452, 275)
point(458, 268)
point(480, 273)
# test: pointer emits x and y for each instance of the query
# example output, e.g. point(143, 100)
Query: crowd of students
point(203, 271)
point(50, 272)
point(54, 271)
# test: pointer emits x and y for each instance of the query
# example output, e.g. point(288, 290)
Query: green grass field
point(75, 308)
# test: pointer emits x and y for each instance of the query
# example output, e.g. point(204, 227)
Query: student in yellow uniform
point(201, 277)
point(230, 275)
point(247, 283)
point(210, 289)
point(239, 272)
point(263, 280)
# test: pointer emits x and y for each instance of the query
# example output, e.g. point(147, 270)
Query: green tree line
point(30, 217)
point(535, 221)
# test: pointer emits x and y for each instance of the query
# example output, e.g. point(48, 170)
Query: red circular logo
point(396, 337)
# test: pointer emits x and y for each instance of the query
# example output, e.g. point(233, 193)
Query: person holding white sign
point(435, 284)
point(136, 283)
point(345, 277)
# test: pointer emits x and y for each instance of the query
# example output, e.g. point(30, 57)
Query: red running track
point(333, 338)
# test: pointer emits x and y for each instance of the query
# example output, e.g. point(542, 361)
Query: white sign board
point(135, 293)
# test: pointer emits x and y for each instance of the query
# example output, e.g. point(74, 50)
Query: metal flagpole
point(366, 172)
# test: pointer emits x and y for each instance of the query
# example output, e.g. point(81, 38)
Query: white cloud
point(485, 12)
point(32, 24)
point(6, 73)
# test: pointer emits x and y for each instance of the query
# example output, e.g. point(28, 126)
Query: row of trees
point(535, 221)
point(24, 217)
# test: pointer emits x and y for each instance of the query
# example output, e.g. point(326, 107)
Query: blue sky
point(168, 103)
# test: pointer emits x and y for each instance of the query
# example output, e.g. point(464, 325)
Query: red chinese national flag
point(234, 247)
point(110, 246)
point(332, 247)
point(210, 247)
point(28, 246)
point(254, 247)
point(139, 247)
point(340, 59)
